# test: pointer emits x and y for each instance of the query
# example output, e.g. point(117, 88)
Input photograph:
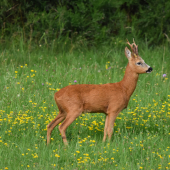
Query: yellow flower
point(35, 155)
point(33, 75)
point(56, 155)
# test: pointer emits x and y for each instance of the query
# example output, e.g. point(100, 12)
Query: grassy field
point(28, 81)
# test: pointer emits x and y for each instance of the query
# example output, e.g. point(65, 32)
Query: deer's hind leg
point(71, 116)
point(60, 117)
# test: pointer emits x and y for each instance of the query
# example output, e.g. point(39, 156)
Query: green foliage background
point(46, 45)
point(87, 22)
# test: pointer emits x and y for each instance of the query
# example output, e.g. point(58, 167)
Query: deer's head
point(136, 63)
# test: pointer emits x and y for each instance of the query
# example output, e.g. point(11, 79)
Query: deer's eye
point(139, 63)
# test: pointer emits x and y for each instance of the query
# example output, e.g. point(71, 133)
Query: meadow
point(28, 81)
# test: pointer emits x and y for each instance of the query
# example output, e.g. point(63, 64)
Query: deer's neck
point(129, 81)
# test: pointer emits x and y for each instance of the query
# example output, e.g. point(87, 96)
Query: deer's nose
point(149, 70)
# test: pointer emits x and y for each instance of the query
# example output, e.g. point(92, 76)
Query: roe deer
point(109, 98)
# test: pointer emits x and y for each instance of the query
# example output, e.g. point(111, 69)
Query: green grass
point(28, 81)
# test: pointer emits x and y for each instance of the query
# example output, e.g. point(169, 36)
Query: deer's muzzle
point(149, 70)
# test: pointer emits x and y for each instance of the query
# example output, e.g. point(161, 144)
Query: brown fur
point(109, 98)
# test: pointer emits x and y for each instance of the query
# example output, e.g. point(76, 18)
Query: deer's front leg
point(110, 124)
point(105, 129)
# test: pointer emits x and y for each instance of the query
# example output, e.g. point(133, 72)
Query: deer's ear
point(127, 53)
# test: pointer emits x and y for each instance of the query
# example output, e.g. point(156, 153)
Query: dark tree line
point(90, 20)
